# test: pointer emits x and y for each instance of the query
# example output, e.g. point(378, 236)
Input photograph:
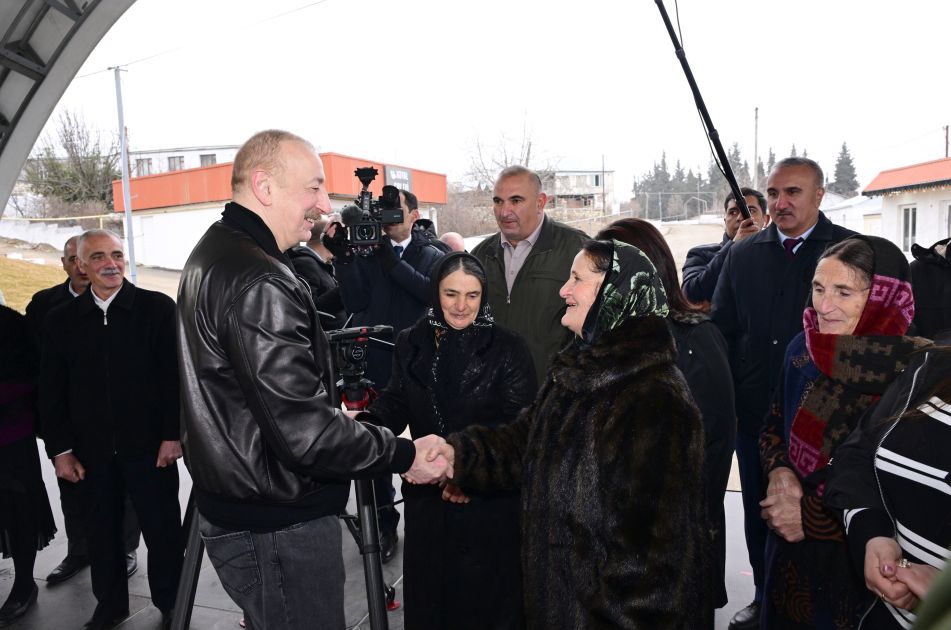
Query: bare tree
point(74, 172)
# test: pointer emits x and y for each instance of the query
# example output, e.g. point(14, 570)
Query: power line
point(187, 46)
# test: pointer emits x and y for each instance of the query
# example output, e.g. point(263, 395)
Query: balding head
point(262, 151)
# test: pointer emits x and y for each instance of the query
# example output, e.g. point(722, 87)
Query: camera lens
point(366, 232)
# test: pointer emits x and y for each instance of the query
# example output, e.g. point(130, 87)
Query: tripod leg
point(188, 582)
point(372, 565)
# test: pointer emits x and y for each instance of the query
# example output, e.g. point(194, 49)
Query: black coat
point(319, 276)
point(758, 306)
point(931, 283)
point(702, 357)
point(608, 459)
point(41, 304)
point(396, 297)
point(702, 268)
point(110, 384)
point(461, 562)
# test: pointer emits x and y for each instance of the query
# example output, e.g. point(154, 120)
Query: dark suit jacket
point(396, 297)
point(758, 305)
point(41, 304)
point(110, 384)
point(702, 268)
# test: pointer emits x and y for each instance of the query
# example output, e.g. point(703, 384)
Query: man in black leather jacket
point(270, 457)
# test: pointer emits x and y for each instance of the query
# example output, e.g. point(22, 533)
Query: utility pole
point(756, 148)
point(604, 199)
point(126, 196)
point(945, 141)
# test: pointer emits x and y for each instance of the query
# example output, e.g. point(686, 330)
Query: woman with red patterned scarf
point(852, 347)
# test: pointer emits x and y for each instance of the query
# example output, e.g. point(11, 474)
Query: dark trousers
point(385, 494)
point(289, 579)
point(754, 490)
point(71, 498)
point(154, 494)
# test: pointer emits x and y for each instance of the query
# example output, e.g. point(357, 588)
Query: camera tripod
point(357, 393)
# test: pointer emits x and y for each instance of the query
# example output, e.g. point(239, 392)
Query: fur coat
point(609, 459)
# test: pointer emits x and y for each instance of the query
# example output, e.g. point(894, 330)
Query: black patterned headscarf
point(631, 288)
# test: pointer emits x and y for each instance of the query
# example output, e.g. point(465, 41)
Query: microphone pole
point(705, 116)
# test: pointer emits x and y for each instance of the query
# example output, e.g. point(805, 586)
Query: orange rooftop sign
point(210, 184)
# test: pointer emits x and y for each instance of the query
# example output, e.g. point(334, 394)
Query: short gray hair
point(803, 161)
point(88, 234)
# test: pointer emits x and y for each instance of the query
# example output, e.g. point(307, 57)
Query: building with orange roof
point(916, 203)
point(171, 210)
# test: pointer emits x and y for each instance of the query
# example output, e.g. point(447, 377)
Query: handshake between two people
point(433, 465)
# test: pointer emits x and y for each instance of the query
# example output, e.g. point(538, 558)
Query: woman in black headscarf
point(454, 368)
point(608, 459)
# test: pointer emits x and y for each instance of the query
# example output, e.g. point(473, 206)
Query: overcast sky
point(417, 82)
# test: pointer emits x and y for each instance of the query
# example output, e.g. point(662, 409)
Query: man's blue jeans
point(289, 579)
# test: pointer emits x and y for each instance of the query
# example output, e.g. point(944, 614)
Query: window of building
point(176, 162)
point(143, 167)
point(908, 226)
point(596, 180)
point(209, 159)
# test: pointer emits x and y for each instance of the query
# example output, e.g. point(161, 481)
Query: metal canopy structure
point(44, 44)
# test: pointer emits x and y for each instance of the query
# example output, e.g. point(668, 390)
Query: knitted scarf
point(854, 369)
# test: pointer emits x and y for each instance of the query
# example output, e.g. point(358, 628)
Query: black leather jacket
point(264, 446)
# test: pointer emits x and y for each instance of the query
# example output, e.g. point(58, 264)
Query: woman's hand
point(917, 577)
point(781, 508)
point(882, 555)
point(783, 480)
point(453, 494)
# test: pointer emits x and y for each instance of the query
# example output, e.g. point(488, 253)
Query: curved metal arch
point(44, 44)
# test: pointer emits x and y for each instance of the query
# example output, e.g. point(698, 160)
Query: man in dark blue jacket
point(390, 287)
point(758, 305)
point(704, 262)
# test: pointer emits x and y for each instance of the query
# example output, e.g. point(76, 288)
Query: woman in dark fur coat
point(454, 368)
point(608, 459)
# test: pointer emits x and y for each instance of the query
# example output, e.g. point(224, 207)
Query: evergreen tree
point(845, 183)
point(792, 151)
point(760, 178)
point(770, 161)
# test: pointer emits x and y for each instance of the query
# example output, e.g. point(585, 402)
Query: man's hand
point(917, 577)
point(68, 468)
point(882, 555)
point(168, 452)
point(386, 255)
point(429, 466)
point(336, 241)
point(747, 229)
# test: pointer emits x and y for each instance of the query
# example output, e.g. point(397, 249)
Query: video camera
point(365, 228)
point(350, 345)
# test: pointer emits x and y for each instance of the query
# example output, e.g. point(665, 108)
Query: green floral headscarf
point(631, 289)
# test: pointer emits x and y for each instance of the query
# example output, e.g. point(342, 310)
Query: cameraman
point(389, 287)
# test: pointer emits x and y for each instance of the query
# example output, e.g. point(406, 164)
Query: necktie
point(398, 250)
point(790, 245)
